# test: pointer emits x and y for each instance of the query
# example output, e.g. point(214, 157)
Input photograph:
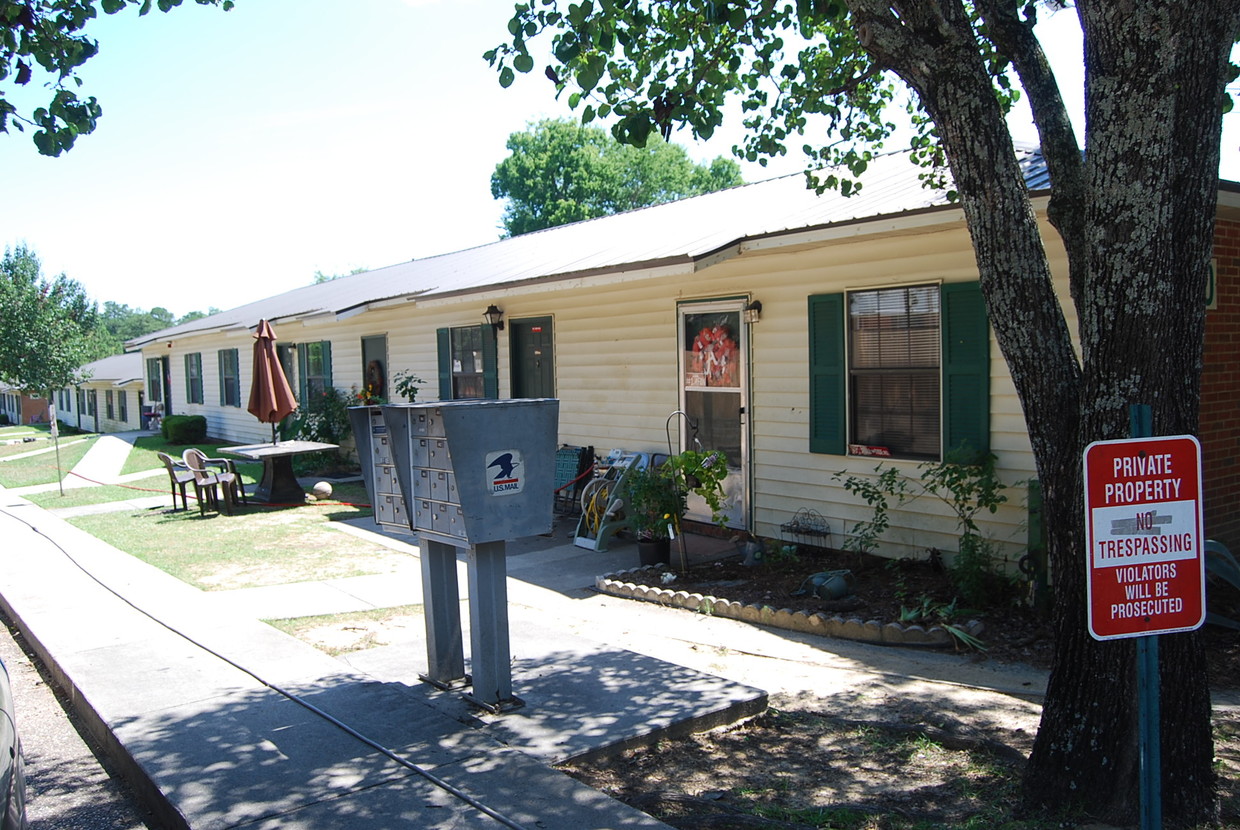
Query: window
point(900, 372)
point(122, 405)
point(92, 402)
point(315, 368)
point(893, 372)
point(155, 379)
point(467, 363)
point(230, 378)
point(110, 403)
point(193, 377)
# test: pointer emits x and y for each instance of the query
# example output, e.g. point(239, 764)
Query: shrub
point(184, 429)
point(65, 428)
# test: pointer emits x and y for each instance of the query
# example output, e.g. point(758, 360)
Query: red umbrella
point(271, 398)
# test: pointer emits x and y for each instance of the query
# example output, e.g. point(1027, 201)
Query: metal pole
point(490, 657)
point(441, 598)
point(1140, 422)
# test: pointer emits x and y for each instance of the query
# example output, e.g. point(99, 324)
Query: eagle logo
point(504, 467)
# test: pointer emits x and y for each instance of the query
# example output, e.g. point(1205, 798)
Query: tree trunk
point(1156, 73)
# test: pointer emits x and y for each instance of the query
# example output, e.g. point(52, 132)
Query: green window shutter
point(444, 339)
point(302, 365)
point(827, 375)
point(966, 368)
point(490, 361)
point(327, 364)
point(221, 360)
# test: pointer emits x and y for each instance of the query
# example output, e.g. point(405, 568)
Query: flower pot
point(654, 551)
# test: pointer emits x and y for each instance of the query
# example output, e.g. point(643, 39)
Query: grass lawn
point(14, 431)
point(142, 488)
point(338, 634)
point(256, 546)
point(144, 456)
point(40, 469)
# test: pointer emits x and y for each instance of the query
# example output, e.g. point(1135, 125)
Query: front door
point(374, 367)
point(533, 358)
point(165, 369)
point(714, 396)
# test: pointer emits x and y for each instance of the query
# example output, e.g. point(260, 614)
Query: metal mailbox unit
point(374, 450)
point(474, 475)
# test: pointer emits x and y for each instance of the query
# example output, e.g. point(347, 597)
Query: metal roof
point(677, 232)
point(117, 369)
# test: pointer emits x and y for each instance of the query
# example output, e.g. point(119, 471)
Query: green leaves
point(50, 34)
point(46, 326)
point(561, 172)
point(657, 66)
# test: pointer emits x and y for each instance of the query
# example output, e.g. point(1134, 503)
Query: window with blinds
point(893, 366)
point(467, 363)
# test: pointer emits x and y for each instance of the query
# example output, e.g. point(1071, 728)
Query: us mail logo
point(506, 469)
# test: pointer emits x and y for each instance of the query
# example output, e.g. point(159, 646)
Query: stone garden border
point(851, 628)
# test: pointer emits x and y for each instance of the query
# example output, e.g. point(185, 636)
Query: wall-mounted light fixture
point(494, 316)
point(753, 311)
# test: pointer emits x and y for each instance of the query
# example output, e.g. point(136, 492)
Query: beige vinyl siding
point(617, 370)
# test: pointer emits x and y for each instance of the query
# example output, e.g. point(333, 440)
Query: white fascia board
point(591, 280)
point(853, 230)
point(374, 305)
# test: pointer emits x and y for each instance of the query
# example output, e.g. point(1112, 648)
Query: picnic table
point(278, 485)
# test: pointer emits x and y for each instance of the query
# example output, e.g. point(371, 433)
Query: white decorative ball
point(322, 490)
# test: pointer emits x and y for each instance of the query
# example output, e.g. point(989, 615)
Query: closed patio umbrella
point(271, 398)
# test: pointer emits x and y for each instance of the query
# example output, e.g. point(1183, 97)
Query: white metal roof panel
point(680, 231)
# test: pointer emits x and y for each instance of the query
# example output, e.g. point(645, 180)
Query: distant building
point(111, 398)
point(18, 407)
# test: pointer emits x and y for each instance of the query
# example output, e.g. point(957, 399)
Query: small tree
point(47, 327)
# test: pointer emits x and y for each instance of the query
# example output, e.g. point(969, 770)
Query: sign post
point(1145, 563)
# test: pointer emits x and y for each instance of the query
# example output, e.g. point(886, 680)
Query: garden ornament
point(826, 585)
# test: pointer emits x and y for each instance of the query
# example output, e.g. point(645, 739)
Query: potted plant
point(702, 472)
point(406, 383)
point(654, 505)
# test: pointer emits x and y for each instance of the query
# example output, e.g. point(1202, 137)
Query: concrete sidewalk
point(210, 708)
point(189, 685)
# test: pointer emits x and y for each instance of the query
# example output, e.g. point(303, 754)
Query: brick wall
point(1220, 393)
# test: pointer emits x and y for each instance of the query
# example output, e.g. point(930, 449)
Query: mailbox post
point(473, 474)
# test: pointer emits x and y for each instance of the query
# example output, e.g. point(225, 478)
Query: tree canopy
point(119, 323)
point(47, 327)
point(46, 39)
point(1134, 212)
point(560, 172)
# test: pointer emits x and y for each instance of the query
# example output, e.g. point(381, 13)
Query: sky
point(240, 153)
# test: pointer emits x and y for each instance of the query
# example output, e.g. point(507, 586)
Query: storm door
point(714, 363)
point(532, 358)
point(375, 380)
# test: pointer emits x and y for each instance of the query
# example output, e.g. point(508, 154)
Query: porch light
point(753, 311)
point(494, 316)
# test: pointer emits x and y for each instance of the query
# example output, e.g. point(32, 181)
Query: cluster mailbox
point(470, 474)
point(475, 471)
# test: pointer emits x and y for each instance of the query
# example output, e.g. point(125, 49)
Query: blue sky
point(241, 152)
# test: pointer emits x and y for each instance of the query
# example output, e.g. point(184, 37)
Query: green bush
point(65, 428)
point(184, 429)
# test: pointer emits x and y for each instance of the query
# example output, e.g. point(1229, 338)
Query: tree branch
point(1014, 38)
